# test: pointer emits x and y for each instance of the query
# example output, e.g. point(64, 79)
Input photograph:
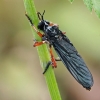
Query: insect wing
point(73, 61)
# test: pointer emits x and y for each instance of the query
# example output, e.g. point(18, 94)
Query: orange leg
point(52, 58)
point(38, 43)
point(40, 34)
point(53, 61)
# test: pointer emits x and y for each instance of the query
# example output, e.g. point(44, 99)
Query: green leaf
point(96, 6)
point(43, 53)
point(89, 4)
point(93, 4)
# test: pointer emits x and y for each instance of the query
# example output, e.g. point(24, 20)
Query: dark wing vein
point(73, 62)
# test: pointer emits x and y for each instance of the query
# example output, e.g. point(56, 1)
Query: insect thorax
point(52, 31)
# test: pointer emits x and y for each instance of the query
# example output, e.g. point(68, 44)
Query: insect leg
point(40, 34)
point(47, 66)
point(36, 43)
point(53, 61)
point(52, 57)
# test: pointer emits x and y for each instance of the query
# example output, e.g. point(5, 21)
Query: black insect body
point(65, 50)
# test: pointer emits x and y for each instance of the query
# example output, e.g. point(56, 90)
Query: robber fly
point(65, 50)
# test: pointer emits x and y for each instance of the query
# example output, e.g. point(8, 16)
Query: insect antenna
point(40, 16)
point(43, 15)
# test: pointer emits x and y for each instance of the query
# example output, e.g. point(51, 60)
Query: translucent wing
point(73, 61)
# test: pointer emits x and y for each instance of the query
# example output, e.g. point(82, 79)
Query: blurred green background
point(20, 71)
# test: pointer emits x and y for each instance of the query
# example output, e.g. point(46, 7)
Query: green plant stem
point(43, 53)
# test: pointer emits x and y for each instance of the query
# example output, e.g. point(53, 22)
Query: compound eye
point(41, 25)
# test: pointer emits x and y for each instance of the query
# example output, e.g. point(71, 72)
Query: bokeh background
point(20, 71)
